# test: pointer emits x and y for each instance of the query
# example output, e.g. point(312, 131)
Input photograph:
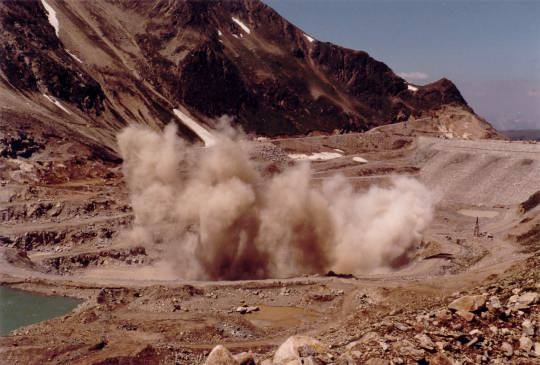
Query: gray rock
point(443, 315)
point(245, 358)
point(407, 348)
point(425, 342)
point(472, 342)
point(401, 326)
point(442, 345)
point(507, 349)
point(525, 344)
point(291, 350)
point(494, 302)
point(528, 298)
point(370, 337)
point(527, 328)
point(284, 291)
point(244, 309)
point(523, 301)
point(468, 316)
point(468, 303)
point(220, 356)
point(512, 300)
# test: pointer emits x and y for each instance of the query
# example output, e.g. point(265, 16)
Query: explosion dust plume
point(210, 214)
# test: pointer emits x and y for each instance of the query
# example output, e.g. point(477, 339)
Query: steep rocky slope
point(84, 69)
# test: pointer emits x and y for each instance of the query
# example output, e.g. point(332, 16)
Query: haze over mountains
point(87, 69)
point(523, 134)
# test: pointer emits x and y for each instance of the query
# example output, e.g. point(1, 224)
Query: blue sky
point(490, 49)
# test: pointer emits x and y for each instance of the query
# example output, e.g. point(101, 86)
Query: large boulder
point(468, 303)
point(525, 300)
point(296, 348)
point(220, 356)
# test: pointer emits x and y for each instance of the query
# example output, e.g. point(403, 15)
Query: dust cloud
point(209, 214)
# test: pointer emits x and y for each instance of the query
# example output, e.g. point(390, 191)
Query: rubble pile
point(19, 146)
point(498, 323)
point(268, 152)
point(66, 263)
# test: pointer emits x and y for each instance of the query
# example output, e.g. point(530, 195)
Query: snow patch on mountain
point(309, 38)
point(412, 88)
point(359, 159)
point(57, 103)
point(207, 137)
point(74, 57)
point(242, 25)
point(51, 15)
point(317, 156)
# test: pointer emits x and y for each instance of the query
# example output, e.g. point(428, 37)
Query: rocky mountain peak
point(117, 62)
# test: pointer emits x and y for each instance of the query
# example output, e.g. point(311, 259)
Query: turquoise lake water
point(20, 308)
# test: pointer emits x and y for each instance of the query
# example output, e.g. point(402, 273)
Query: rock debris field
point(458, 297)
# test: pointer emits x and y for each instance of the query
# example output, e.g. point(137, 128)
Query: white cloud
point(412, 76)
point(533, 92)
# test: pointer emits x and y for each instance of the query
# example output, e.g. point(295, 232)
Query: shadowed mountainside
point(86, 69)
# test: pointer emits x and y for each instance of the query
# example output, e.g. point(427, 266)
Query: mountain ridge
point(121, 62)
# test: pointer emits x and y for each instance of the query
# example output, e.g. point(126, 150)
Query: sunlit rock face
point(107, 64)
